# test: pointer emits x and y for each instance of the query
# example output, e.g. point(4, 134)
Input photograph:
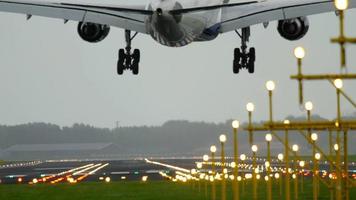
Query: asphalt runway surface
point(98, 170)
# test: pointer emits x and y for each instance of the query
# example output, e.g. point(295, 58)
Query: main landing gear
point(242, 58)
point(128, 60)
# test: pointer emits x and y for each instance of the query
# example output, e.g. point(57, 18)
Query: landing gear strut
point(128, 60)
point(242, 58)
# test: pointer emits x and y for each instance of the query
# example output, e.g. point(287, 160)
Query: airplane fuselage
point(180, 30)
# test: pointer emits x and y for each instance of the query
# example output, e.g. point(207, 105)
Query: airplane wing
point(246, 13)
point(270, 10)
point(130, 18)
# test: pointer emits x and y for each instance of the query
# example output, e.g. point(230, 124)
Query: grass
point(129, 190)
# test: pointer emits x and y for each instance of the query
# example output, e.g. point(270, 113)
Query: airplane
point(177, 23)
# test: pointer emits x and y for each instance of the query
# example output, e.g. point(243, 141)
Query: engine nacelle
point(92, 32)
point(293, 29)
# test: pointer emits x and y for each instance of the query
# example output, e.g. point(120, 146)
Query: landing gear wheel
point(121, 55)
point(136, 55)
point(236, 67)
point(135, 68)
point(251, 61)
point(242, 57)
point(251, 67)
point(120, 67)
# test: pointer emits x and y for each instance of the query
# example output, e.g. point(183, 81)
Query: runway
point(74, 171)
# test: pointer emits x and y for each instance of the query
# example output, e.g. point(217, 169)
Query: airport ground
point(126, 182)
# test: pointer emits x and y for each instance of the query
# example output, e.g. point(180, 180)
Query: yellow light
point(276, 175)
point(309, 106)
point(268, 137)
point(205, 158)
point(302, 163)
point(299, 52)
point(336, 147)
point(242, 157)
point(193, 171)
point(286, 121)
point(280, 157)
point(231, 177)
point(239, 178)
point(338, 83)
point(250, 107)
point(199, 165)
point(235, 124)
point(317, 156)
point(314, 137)
point(144, 178)
point(19, 180)
point(341, 4)
point(34, 180)
point(295, 147)
point(222, 138)
point(254, 148)
point(294, 176)
point(257, 170)
point(213, 148)
point(267, 164)
point(258, 177)
point(270, 85)
point(225, 171)
point(107, 179)
point(266, 178)
point(233, 164)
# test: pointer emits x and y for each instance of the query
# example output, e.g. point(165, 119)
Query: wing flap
point(270, 10)
point(126, 18)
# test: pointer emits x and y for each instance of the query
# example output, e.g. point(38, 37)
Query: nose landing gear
point(242, 58)
point(128, 60)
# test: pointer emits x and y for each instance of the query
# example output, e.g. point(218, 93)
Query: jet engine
point(293, 29)
point(92, 32)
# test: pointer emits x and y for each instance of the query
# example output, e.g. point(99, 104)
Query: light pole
point(270, 85)
point(295, 148)
point(199, 166)
point(280, 157)
point(299, 53)
point(213, 189)
point(243, 158)
point(269, 181)
point(206, 159)
point(317, 158)
point(235, 126)
point(314, 138)
point(338, 84)
point(286, 154)
point(250, 107)
point(254, 149)
point(222, 139)
point(301, 165)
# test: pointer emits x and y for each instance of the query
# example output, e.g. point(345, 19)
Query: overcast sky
point(48, 74)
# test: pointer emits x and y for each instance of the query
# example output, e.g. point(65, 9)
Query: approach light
point(314, 136)
point(268, 137)
point(213, 149)
point(341, 4)
point(107, 179)
point(336, 147)
point(338, 83)
point(299, 52)
point(280, 157)
point(250, 107)
point(317, 156)
point(242, 157)
point(235, 124)
point(302, 163)
point(222, 138)
point(308, 106)
point(205, 158)
point(199, 165)
point(295, 147)
point(286, 122)
point(254, 148)
point(270, 85)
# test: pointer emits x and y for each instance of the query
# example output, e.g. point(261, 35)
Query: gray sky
point(47, 73)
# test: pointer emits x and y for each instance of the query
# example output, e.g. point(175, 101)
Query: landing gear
point(128, 60)
point(242, 58)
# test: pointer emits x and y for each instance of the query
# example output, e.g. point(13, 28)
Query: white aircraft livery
point(177, 23)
